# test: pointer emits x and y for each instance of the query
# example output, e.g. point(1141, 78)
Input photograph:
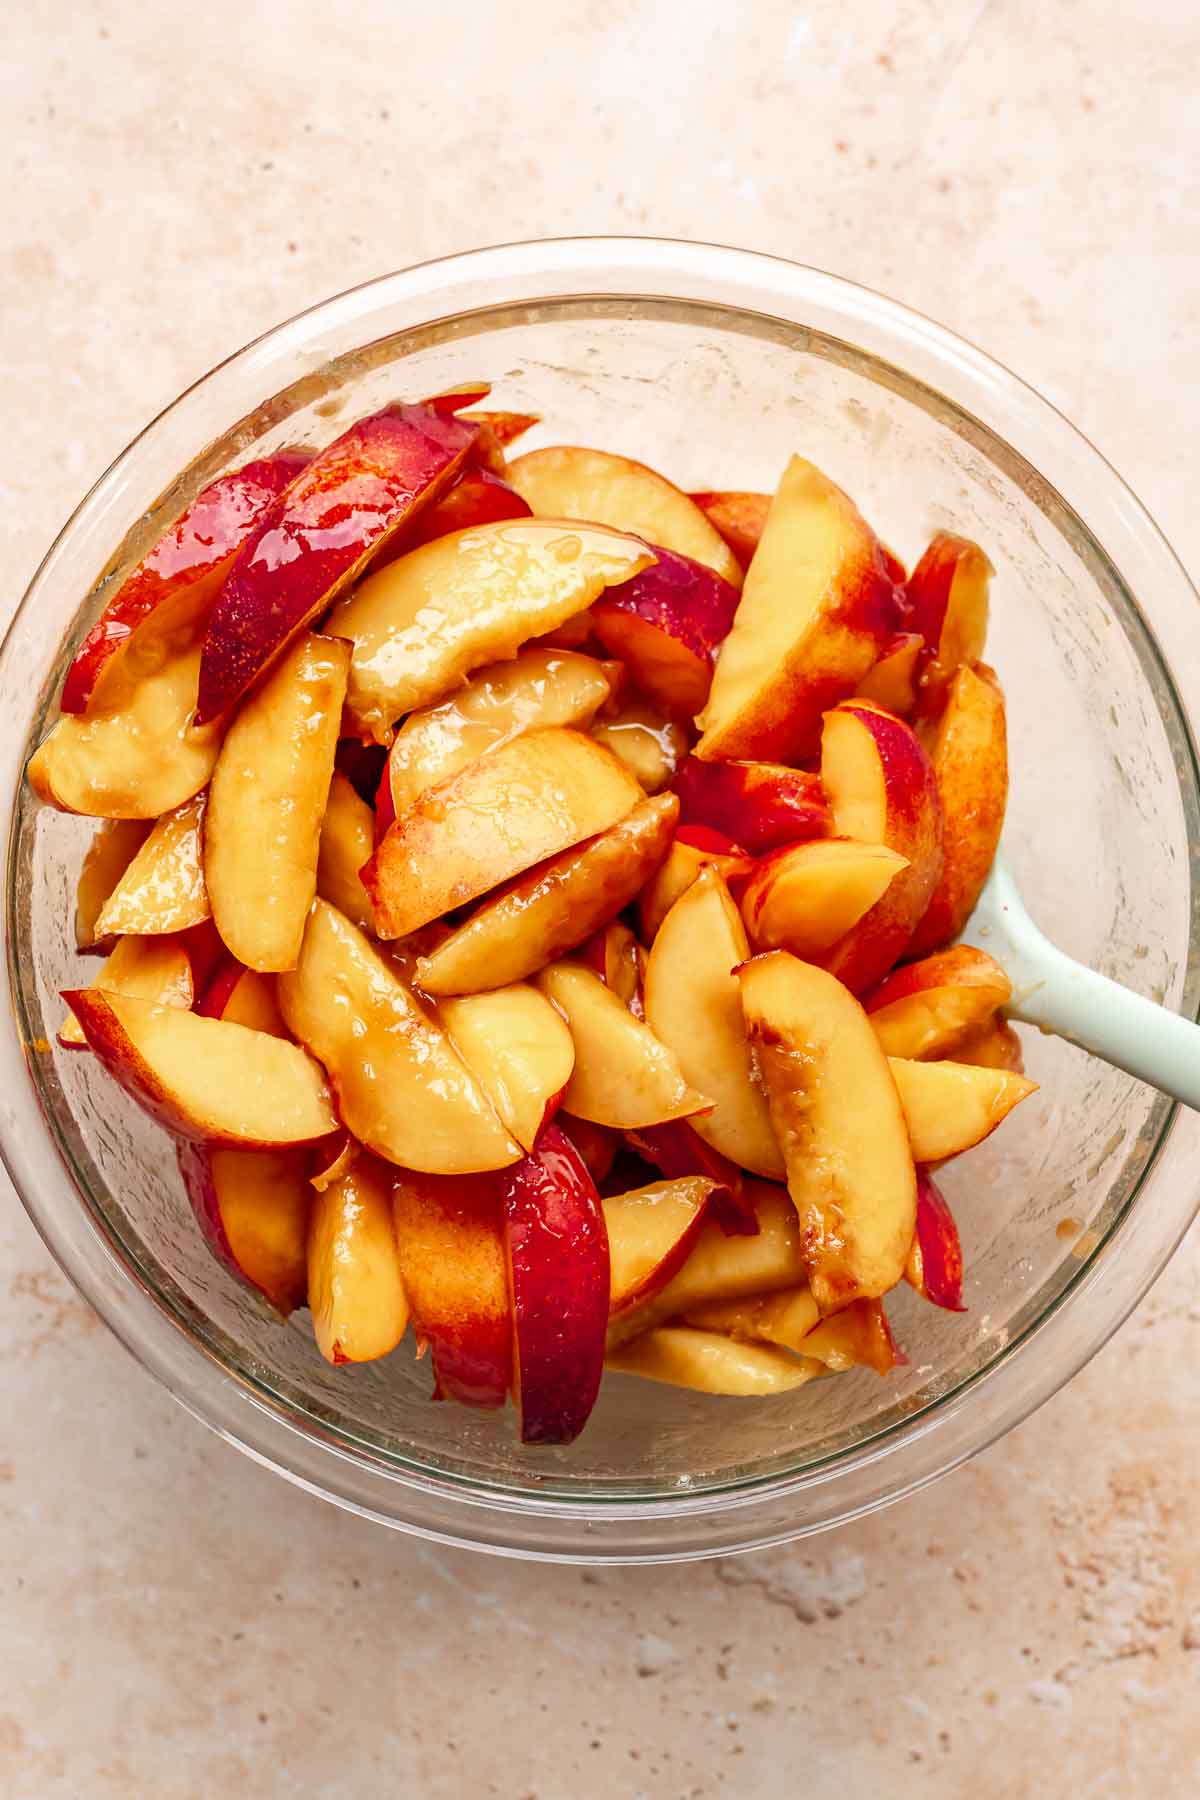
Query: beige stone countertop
point(176, 1621)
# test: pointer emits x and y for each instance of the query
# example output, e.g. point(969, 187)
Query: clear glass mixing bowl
point(713, 365)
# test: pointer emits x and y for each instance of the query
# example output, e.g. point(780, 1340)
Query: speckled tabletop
point(176, 1621)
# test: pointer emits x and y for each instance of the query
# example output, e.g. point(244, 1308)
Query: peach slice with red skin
point(969, 752)
point(650, 1232)
point(559, 1278)
point(529, 799)
point(402, 1088)
point(838, 1118)
point(450, 1238)
point(597, 1144)
point(882, 790)
point(252, 1207)
point(817, 606)
point(318, 535)
point(170, 591)
point(432, 617)
point(996, 1046)
point(720, 1267)
point(149, 968)
point(355, 1286)
point(675, 1149)
point(856, 1336)
point(947, 596)
point(693, 1006)
point(935, 1261)
point(267, 802)
point(805, 898)
point(203, 1078)
point(616, 956)
point(504, 425)
point(163, 889)
point(478, 497)
point(666, 626)
point(552, 908)
point(925, 1009)
point(950, 1106)
point(761, 806)
point(566, 482)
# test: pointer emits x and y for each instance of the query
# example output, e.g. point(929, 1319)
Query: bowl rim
point(945, 1430)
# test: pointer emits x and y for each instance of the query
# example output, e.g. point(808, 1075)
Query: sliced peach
point(346, 842)
point(720, 1267)
point(951, 1106)
point(882, 790)
point(679, 869)
point(739, 517)
point(519, 1050)
point(165, 599)
point(553, 907)
point(109, 854)
point(355, 1288)
point(650, 746)
point(693, 1005)
point(402, 1088)
point(650, 1232)
point(806, 898)
point(530, 799)
point(241, 996)
point(857, 1335)
point(817, 606)
point(892, 681)
point(996, 1046)
point(666, 626)
point(839, 1123)
point(148, 968)
point(538, 688)
point(317, 537)
point(711, 1363)
point(480, 496)
point(450, 1236)
point(784, 1318)
point(163, 889)
point(252, 1207)
point(624, 1076)
point(267, 800)
point(565, 482)
point(597, 1145)
point(675, 1150)
point(760, 805)
point(617, 958)
point(137, 761)
point(559, 1279)
point(947, 597)
point(935, 1261)
point(505, 426)
point(426, 621)
point(969, 751)
point(925, 1009)
point(204, 1078)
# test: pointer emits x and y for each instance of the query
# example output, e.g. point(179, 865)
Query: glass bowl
point(713, 365)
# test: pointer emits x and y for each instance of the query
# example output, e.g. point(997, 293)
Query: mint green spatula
point(1057, 994)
